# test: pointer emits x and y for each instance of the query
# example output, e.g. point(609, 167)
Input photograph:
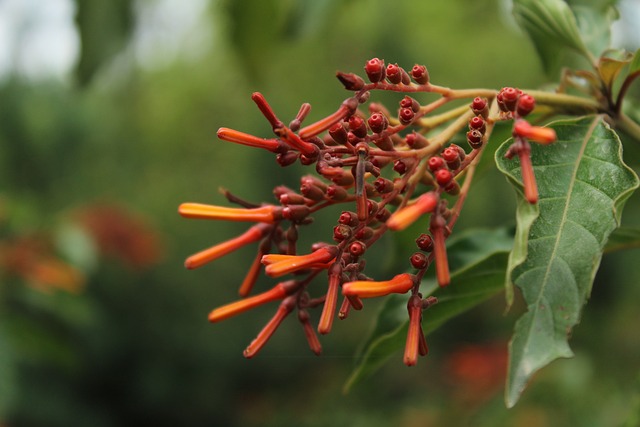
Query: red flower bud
point(375, 70)
point(526, 104)
point(480, 107)
point(406, 115)
point(452, 157)
point(474, 138)
point(416, 140)
point(357, 126)
point(419, 260)
point(350, 81)
point(378, 122)
point(425, 242)
point(394, 75)
point(478, 123)
point(435, 163)
point(420, 74)
point(444, 176)
point(509, 97)
point(409, 102)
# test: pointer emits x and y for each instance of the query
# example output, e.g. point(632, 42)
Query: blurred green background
point(99, 322)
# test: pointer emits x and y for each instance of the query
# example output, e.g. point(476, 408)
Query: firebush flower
point(400, 284)
point(402, 218)
point(267, 214)
point(253, 234)
point(384, 169)
point(279, 265)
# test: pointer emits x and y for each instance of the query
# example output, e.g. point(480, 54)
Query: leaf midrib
point(540, 296)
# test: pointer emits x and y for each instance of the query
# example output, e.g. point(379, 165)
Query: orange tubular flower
point(279, 291)
point(324, 124)
point(253, 234)
point(296, 142)
point(256, 345)
point(331, 300)
point(267, 214)
point(402, 218)
point(440, 252)
point(370, 289)
point(528, 176)
point(541, 135)
point(299, 262)
point(238, 137)
point(412, 346)
point(252, 276)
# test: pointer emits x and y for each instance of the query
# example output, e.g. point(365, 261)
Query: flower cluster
point(388, 170)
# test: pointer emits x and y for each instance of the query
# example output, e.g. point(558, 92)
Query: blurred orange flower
point(33, 260)
point(121, 234)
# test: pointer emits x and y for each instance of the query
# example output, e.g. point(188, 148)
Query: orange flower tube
point(324, 124)
point(299, 262)
point(251, 277)
point(370, 289)
point(242, 138)
point(402, 218)
point(267, 214)
point(440, 252)
point(279, 291)
point(253, 234)
point(256, 345)
point(412, 346)
point(331, 300)
point(528, 176)
point(541, 135)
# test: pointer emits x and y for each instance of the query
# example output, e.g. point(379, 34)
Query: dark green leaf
point(478, 260)
point(582, 184)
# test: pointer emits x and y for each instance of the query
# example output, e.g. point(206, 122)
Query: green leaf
point(477, 259)
point(594, 24)
point(552, 27)
point(583, 184)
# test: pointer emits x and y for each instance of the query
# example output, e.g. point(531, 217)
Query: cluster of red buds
point(388, 170)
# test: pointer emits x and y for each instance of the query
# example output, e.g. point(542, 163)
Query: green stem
point(628, 126)
point(566, 103)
